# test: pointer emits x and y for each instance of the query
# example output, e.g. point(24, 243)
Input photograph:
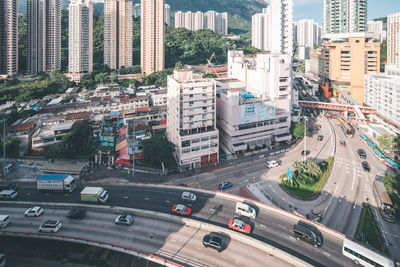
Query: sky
point(312, 9)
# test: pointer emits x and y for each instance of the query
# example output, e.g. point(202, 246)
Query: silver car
point(124, 219)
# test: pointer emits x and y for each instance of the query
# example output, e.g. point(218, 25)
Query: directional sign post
point(290, 174)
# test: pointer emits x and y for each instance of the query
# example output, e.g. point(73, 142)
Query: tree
point(387, 142)
point(102, 78)
point(299, 166)
point(312, 168)
point(158, 149)
point(12, 146)
point(297, 129)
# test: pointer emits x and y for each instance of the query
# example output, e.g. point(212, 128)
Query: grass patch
point(307, 186)
point(369, 230)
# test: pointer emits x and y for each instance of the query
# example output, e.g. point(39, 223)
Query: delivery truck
point(56, 182)
point(94, 194)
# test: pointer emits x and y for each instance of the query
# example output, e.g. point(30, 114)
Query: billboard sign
point(254, 112)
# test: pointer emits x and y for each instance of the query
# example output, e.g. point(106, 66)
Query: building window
point(214, 145)
point(203, 139)
point(196, 148)
point(187, 150)
point(186, 143)
point(195, 140)
point(205, 147)
point(213, 137)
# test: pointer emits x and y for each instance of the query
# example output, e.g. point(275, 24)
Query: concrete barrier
point(184, 221)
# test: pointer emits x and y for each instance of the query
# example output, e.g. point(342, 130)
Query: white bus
point(365, 256)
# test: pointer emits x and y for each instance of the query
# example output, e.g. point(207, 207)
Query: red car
point(224, 185)
point(239, 225)
point(342, 143)
point(181, 210)
point(318, 126)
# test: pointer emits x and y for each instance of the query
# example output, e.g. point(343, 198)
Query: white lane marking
point(167, 201)
point(326, 253)
point(28, 194)
point(125, 197)
point(146, 198)
point(212, 210)
point(244, 182)
point(263, 226)
point(47, 194)
point(66, 195)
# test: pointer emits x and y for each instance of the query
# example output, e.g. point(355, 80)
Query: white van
point(8, 194)
point(4, 220)
point(245, 210)
point(272, 163)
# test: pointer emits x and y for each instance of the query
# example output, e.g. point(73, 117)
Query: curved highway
point(269, 227)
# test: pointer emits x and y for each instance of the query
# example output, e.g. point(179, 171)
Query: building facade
point(344, 63)
point(343, 16)
point(152, 36)
point(8, 37)
point(118, 33)
point(44, 36)
point(393, 44)
point(383, 93)
point(136, 10)
point(191, 119)
point(272, 30)
point(193, 21)
point(167, 15)
point(308, 35)
point(315, 55)
point(376, 28)
point(80, 38)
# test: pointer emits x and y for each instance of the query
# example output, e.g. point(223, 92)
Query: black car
point(9, 186)
point(307, 233)
point(320, 137)
point(76, 214)
point(362, 153)
point(365, 166)
point(213, 240)
point(307, 152)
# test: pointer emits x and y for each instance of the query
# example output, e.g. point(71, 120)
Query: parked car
point(76, 214)
point(50, 226)
point(214, 240)
point(342, 143)
point(124, 219)
point(320, 137)
point(181, 209)
point(307, 152)
point(362, 153)
point(34, 212)
point(188, 197)
point(365, 166)
point(239, 225)
point(224, 185)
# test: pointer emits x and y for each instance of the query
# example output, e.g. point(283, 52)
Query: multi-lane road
point(269, 227)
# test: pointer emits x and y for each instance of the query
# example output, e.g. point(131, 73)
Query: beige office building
point(152, 36)
point(345, 62)
point(80, 33)
point(118, 33)
point(44, 35)
point(8, 37)
point(191, 117)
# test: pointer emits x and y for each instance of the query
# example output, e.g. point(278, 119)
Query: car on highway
point(181, 210)
point(320, 137)
point(224, 185)
point(3, 260)
point(214, 240)
point(272, 164)
point(362, 153)
point(8, 194)
point(307, 233)
point(8, 186)
point(76, 214)
point(33, 212)
point(188, 197)
point(50, 226)
point(365, 166)
point(307, 152)
point(239, 225)
point(124, 219)
point(342, 143)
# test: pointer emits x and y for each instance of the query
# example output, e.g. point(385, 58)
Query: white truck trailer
point(56, 182)
point(94, 194)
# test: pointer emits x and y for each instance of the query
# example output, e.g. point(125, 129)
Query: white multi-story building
point(197, 21)
point(118, 33)
point(393, 44)
point(80, 38)
point(152, 36)
point(188, 21)
point(136, 10)
point(167, 15)
point(272, 30)
point(376, 28)
point(382, 92)
point(342, 16)
point(179, 19)
point(44, 35)
point(308, 35)
point(259, 89)
point(191, 118)
point(217, 22)
point(8, 37)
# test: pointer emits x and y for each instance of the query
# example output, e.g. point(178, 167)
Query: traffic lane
point(171, 240)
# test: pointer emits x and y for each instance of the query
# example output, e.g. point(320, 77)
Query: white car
point(189, 197)
point(34, 212)
point(272, 164)
point(50, 226)
point(124, 219)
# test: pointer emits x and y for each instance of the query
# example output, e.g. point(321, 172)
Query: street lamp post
point(305, 138)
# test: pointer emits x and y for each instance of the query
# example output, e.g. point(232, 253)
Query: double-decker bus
point(346, 127)
point(386, 206)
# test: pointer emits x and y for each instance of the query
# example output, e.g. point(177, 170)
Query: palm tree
point(312, 168)
point(299, 166)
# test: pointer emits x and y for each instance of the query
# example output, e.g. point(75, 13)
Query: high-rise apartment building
point(136, 10)
point(44, 35)
point(8, 37)
point(216, 22)
point(167, 15)
point(80, 38)
point(393, 44)
point(308, 34)
point(376, 28)
point(188, 21)
point(191, 116)
point(342, 16)
point(118, 33)
point(272, 30)
point(152, 36)
point(193, 21)
point(345, 62)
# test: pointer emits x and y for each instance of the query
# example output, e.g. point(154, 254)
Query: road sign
point(290, 173)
